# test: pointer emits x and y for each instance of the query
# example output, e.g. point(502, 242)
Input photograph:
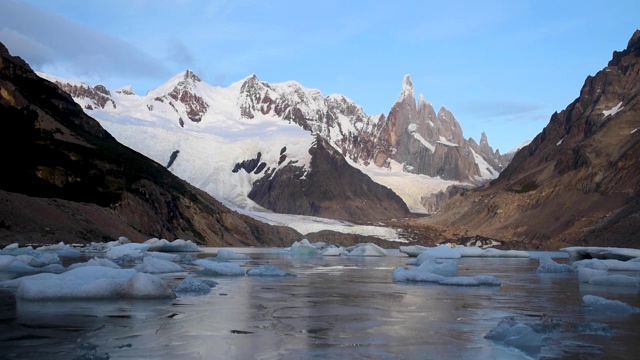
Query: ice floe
point(267, 270)
point(302, 248)
point(227, 255)
point(220, 268)
point(178, 245)
point(600, 306)
point(608, 264)
point(154, 265)
point(91, 282)
point(548, 265)
point(592, 252)
point(192, 285)
point(366, 249)
point(520, 336)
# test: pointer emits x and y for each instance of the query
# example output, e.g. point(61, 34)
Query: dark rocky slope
point(578, 182)
point(66, 179)
point(330, 189)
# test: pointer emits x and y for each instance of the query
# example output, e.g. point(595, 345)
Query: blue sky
point(500, 66)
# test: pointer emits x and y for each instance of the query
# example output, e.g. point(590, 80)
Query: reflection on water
point(334, 308)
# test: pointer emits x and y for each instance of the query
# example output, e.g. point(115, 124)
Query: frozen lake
point(336, 307)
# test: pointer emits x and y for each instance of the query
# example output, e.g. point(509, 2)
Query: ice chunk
point(367, 249)
point(469, 251)
point(520, 336)
point(593, 252)
point(178, 245)
point(585, 274)
point(614, 280)
point(602, 306)
point(15, 250)
point(91, 282)
point(478, 280)
point(227, 254)
point(267, 270)
point(440, 252)
point(61, 249)
point(609, 264)
point(193, 286)
point(146, 286)
point(548, 265)
point(303, 248)
point(95, 262)
point(334, 251)
point(401, 275)
point(216, 268)
point(474, 251)
point(412, 250)
point(429, 271)
point(131, 250)
point(164, 256)
point(154, 265)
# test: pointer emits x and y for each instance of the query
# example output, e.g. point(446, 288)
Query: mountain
point(65, 178)
point(208, 133)
point(578, 181)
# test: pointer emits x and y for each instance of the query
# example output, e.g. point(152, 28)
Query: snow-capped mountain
point(205, 133)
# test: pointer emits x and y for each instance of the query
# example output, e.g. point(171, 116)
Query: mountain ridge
point(366, 140)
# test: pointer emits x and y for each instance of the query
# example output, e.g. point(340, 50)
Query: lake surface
point(336, 307)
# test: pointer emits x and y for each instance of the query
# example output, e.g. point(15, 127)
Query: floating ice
point(164, 256)
point(367, 249)
point(475, 251)
point(267, 270)
point(602, 306)
point(478, 280)
point(61, 249)
point(15, 250)
point(95, 262)
point(440, 252)
point(334, 251)
point(517, 335)
point(40, 261)
point(131, 250)
point(614, 280)
point(548, 265)
point(594, 252)
point(413, 250)
point(146, 286)
point(216, 268)
point(90, 282)
point(193, 286)
point(608, 264)
point(401, 275)
point(178, 245)
point(303, 248)
point(11, 264)
point(154, 265)
point(585, 274)
point(428, 271)
point(227, 254)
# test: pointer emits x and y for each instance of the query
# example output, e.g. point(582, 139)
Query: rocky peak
point(125, 90)
point(407, 89)
point(186, 93)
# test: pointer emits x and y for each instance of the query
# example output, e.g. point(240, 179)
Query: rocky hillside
point(67, 179)
point(578, 181)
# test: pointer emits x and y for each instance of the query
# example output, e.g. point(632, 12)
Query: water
point(334, 308)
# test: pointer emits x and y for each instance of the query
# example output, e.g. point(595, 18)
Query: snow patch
point(614, 110)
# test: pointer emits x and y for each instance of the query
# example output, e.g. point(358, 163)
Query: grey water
point(334, 308)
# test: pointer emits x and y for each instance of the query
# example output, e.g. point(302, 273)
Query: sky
point(500, 66)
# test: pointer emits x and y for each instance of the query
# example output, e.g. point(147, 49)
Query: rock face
point(67, 179)
point(330, 189)
point(578, 181)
